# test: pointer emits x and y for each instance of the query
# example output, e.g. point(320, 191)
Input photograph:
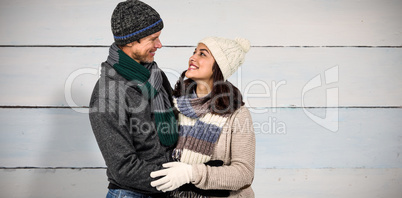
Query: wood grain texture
point(332, 183)
point(47, 183)
point(306, 53)
point(286, 138)
point(270, 77)
point(283, 183)
point(272, 23)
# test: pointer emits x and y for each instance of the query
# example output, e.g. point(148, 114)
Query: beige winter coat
point(236, 147)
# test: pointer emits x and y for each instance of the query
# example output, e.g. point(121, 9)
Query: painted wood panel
point(283, 23)
point(47, 138)
point(286, 138)
point(47, 183)
point(307, 53)
point(270, 77)
point(332, 183)
point(283, 183)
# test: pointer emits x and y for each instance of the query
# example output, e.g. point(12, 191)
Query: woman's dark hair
point(226, 98)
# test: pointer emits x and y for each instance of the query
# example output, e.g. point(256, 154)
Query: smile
point(192, 67)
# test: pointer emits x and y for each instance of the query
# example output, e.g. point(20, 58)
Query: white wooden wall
point(323, 82)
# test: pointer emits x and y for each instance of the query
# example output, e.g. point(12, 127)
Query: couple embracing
point(196, 140)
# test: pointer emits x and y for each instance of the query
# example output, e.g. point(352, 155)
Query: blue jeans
point(120, 193)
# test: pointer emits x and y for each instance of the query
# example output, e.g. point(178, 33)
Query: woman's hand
point(175, 175)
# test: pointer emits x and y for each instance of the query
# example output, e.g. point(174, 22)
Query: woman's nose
point(192, 58)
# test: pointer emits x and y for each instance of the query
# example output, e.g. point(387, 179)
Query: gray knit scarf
point(199, 129)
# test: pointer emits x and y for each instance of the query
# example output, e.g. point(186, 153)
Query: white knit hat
point(228, 53)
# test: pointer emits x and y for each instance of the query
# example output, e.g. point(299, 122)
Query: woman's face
point(200, 65)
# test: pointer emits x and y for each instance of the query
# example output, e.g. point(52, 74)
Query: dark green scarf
point(148, 78)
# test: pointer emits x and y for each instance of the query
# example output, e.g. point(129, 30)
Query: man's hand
point(175, 175)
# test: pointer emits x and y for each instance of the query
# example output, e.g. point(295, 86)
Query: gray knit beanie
point(228, 53)
point(133, 20)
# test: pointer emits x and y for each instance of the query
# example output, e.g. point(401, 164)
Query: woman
point(215, 152)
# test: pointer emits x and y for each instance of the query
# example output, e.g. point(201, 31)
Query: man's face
point(144, 51)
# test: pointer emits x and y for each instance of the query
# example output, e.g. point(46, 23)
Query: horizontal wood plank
point(293, 138)
point(306, 53)
point(283, 23)
point(284, 183)
point(47, 183)
point(270, 77)
point(331, 183)
point(286, 138)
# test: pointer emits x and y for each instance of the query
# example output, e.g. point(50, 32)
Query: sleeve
point(117, 146)
point(240, 172)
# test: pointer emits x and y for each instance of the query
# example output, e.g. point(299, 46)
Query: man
point(131, 105)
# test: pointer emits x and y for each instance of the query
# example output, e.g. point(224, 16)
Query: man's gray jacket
point(123, 125)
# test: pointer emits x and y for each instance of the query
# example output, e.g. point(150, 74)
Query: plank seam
point(187, 46)
point(103, 168)
point(290, 107)
point(50, 168)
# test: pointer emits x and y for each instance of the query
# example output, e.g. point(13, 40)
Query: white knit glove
point(175, 175)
